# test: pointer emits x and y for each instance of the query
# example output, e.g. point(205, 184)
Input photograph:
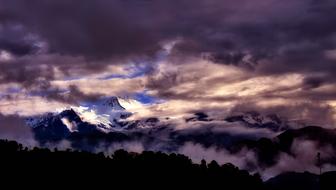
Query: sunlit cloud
point(27, 106)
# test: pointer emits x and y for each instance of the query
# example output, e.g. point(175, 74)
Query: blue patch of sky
point(13, 90)
point(9, 91)
point(144, 98)
point(140, 68)
point(134, 71)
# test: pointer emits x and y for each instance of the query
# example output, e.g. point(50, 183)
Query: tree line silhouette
point(122, 169)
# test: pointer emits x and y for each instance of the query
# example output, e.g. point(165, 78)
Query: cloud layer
point(292, 42)
point(170, 60)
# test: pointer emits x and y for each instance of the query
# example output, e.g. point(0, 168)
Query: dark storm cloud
point(313, 82)
point(35, 75)
point(266, 37)
point(25, 72)
point(95, 29)
point(15, 40)
point(292, 35)
point(71, 95)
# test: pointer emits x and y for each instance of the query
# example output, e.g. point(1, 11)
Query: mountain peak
point(71, 115)
point(113, 103)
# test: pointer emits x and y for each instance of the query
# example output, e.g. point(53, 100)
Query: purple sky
point(172, 57)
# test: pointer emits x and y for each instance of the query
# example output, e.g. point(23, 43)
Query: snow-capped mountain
point(257, 120)
point(104, 115)
point(105, 120)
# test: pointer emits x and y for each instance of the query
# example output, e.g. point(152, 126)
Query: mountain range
point(105, 122)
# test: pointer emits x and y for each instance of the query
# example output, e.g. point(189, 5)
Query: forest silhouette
point(122, 169)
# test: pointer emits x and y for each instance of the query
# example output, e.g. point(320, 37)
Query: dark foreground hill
point(306, 181)
point(148, 169)
point(20, 165)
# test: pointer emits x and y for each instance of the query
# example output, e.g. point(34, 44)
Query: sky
point(170, 58)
